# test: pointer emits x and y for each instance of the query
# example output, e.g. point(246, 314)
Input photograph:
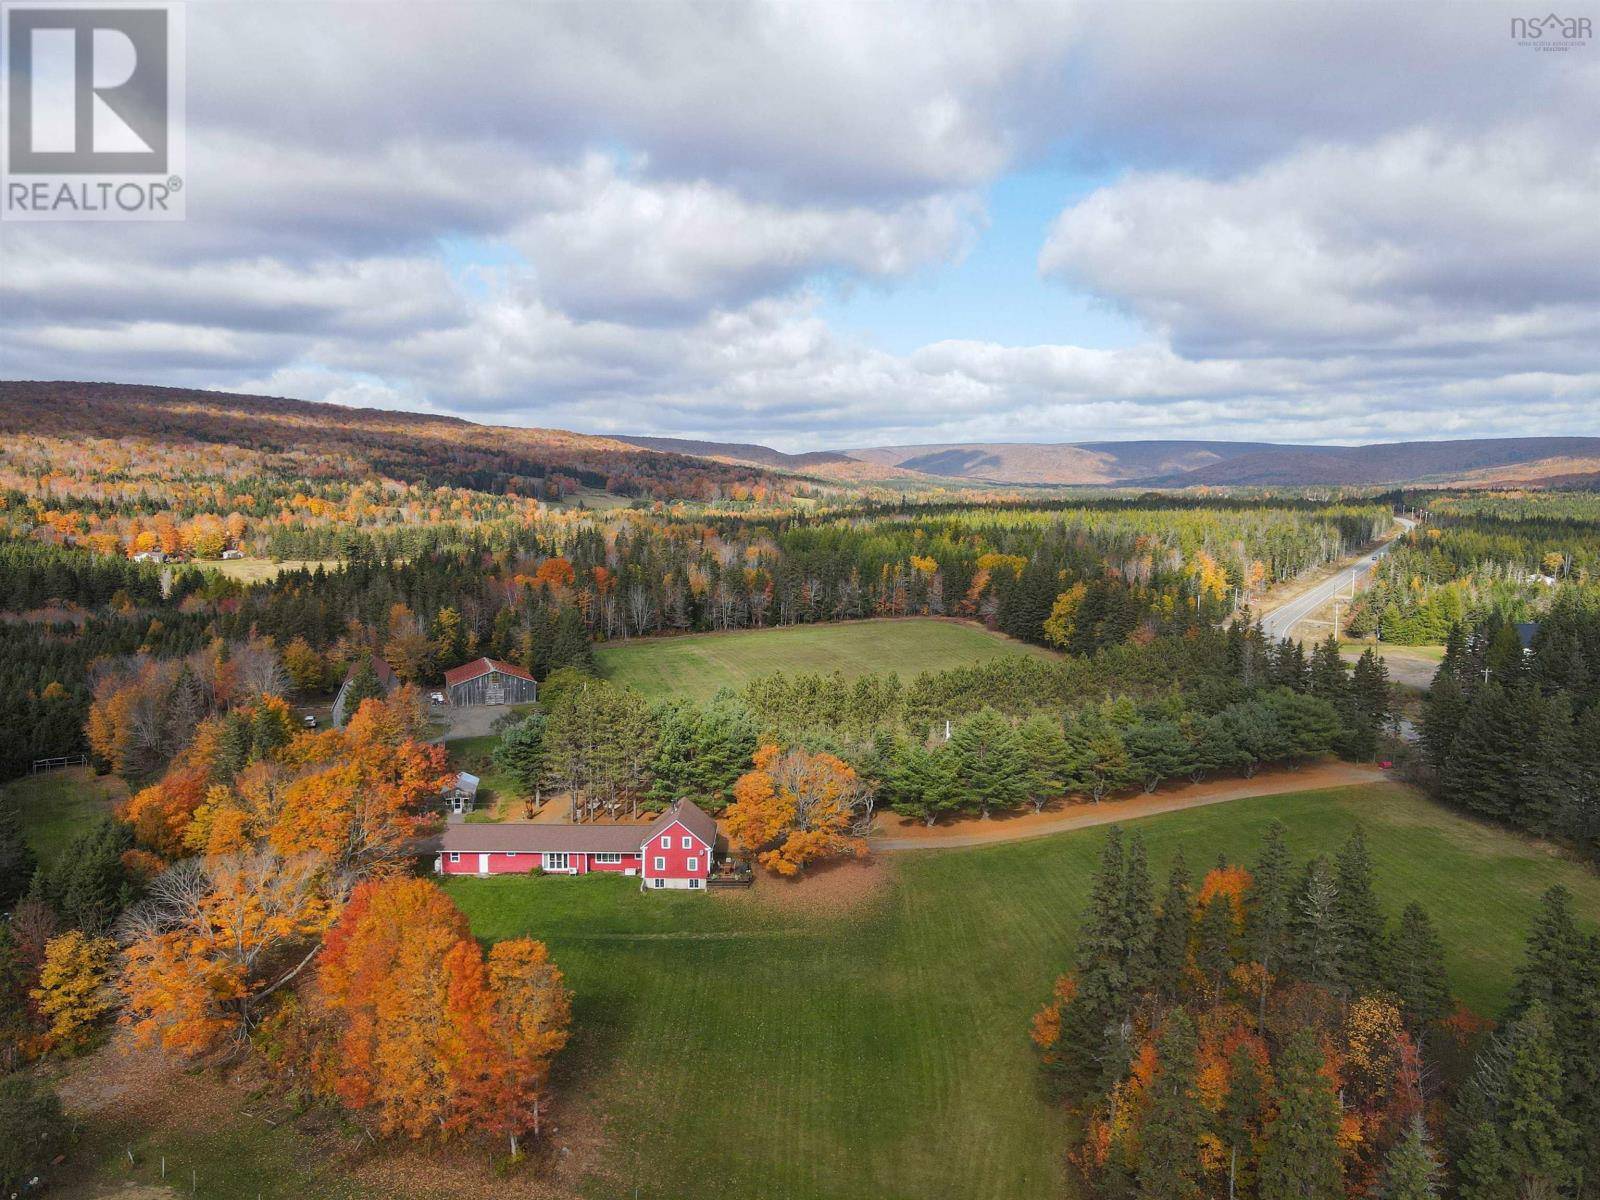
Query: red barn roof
point(482, 666)
point(526, 837)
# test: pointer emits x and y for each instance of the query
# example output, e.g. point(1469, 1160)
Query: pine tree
point(1139, 920)
point(17, 861)
point(1551, 767)
point(1239, 1122)
point(1174, 925)
point(1269, 906)
point(1484, 769)
point(1301, 1159)
point(990, 766)
point(1442, 713)
point(1358, 918)
point(87, 884)
point(1044, 751)
point(1371, 704)
point(1169, 1148)
point(1316, 951)
point(1214, 942)
point(1561, 975)
point(1416, 968)
point(1410, 1169)
point(1535, 1133)
point(1094, 1043)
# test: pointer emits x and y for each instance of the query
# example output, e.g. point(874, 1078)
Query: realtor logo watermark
point(1552, 32)
point(93, 101)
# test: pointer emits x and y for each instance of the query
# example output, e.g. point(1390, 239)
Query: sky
point(825, 225)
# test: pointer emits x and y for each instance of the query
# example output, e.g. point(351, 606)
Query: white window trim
point(661, 883)
point(512, 853)
point(661, 863)
point(608, 857)
point(551, 865)
point(688, 843)
point(666, 841)
point(455, 856)
point(694, 864)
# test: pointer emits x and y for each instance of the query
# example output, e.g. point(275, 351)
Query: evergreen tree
point(17, 861)
point(1370, 708)
point(1044, 752)
point(88, 885)
point(1443, 710)
point(1138, 919)
point(1174, 925)
point(922, 782)
point(520, 753)
point(1169, 1147)
point(1301, 1159)
point(1416, 968)
point(1358, 918)
point(1157, 750)
point(1410, 1170)
point(1552, 766)
point(1095, 1051)
point(990, 767)
point(1535, 1133)
point(1214, 942)
point(1484, 771)
point(1269, 905)
point(364, 685)
point(1316, 951)
point(1239, 1122)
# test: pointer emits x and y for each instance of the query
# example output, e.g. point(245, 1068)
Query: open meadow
point(697, 665)
point(55, 806)
point(730, 1047)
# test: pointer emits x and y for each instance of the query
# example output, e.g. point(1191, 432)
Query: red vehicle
point(1385, 764)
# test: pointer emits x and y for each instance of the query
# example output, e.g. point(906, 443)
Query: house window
point(661, 863)
point(661, 883)
point(688, 843)
point(694, 883)
point(694, 865)
point(608, 858)
point(666, 841)
point(511, 853)
point(454, 857)
point(555, 862)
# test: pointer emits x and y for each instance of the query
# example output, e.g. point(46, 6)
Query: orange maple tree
point(794, 808)
point(429, 1038)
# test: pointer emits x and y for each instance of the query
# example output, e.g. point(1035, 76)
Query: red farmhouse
point(673, 851)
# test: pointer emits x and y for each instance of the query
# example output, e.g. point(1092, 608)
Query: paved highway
point(1281, 621)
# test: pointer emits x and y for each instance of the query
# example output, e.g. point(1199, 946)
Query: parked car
point(436, 697)
point(1385, 764)
point(308, 721)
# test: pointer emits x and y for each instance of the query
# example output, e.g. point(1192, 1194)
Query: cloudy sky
point(825, 225)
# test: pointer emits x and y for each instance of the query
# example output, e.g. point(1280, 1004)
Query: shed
point(463, 794)
point(489, 681)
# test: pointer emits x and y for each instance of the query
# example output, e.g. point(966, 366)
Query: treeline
point(1477, 557)
point(1513, 733)
point(1269, 1034)
point(958, 741)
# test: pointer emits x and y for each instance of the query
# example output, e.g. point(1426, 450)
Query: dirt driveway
point(893, 832)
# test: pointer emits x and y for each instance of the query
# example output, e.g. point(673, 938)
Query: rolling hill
point(1528, 462)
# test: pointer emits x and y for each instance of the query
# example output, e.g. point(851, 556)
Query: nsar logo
point(1552, 32)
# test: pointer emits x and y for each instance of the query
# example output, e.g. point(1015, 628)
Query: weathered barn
point(489, 681)
point(387, 680)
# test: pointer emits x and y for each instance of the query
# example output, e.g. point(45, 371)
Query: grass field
point(58, 805)
point(698, 664)
point(255, 570)
point(731, 1049)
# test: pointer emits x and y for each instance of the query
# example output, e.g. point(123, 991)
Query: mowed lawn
point(696, 665)
point(731, 1049)
point(56, 806)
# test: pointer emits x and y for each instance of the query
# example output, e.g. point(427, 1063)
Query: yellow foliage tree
point(72, 994)
point(795, 808)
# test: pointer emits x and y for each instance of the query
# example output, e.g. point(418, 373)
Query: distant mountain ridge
point(1176, 463)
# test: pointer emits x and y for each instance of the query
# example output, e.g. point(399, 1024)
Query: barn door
point(494, 691)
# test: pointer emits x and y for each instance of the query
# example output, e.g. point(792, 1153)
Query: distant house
point(673, 851)
point(463, 794)
point(233, 554)
point(489, 681)
point(387, 680)
point(150, 556)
